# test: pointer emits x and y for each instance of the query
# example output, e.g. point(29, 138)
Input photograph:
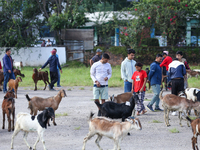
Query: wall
point(34, 56)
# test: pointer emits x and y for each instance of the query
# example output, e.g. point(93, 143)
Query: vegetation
point(61, 114)
point(173, 130)
point(156, 121)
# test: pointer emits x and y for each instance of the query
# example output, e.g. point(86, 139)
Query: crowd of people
point(135, 78)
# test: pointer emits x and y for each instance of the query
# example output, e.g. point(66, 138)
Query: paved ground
point(71, 129)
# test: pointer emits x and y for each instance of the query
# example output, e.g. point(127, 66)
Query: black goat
point(115, 110)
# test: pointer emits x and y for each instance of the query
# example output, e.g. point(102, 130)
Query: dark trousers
point(7, 75)
point(177, 86)
point(54, 78)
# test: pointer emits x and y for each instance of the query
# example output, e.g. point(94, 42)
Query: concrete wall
point(34, 56)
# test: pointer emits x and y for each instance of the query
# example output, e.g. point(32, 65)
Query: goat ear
point(44, 117)
point(194, 93)
point(5, 97)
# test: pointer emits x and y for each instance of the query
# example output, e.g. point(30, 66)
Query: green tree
point(165, 16)
point(18, 21)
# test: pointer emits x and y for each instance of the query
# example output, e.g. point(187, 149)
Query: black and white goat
point(115, 130)
point(28, 123)
point(114, 110)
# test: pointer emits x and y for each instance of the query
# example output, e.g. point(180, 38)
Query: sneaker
point(59, 86)
point(174, 113)
point(158, 109)
point(150, 108)
point(143, 112)
point(52, 89)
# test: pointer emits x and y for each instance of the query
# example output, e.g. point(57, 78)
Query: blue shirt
point(176, 69)
point(57, 57)
point(96, 58)
point(155, 74)
point(53, 63)
point(7, 63)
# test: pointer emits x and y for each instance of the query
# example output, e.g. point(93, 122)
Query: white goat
point(112, 129)
point(28, 123)
point(18, 64)
point(193, 94)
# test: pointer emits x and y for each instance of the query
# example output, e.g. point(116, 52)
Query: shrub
point(118, 50)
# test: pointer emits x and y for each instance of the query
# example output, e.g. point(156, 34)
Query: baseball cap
point(166, 52)
point(53, 52)
point(98, 50)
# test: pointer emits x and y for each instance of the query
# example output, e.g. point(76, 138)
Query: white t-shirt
point(48, 44)
point(99, 71)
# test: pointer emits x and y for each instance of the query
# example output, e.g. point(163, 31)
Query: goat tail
point(160, 95)
point(91, 115)
point(190, 120)
point(27, 97)
point(98, 104)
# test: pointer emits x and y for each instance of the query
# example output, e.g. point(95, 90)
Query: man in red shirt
point(139, 86)
point(167, 60)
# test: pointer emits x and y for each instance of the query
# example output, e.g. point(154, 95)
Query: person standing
point(127, 70)
point(165, 64)
point(43, 43)
point(155, 77)
point(139, 86)
point(53, 63)
point(7, 69)
point(100, 73)
point(179, 56)
point(58, 82)
point(97, 57)
point(48, 44)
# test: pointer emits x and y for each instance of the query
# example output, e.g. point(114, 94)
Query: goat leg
point(35, 86)
point(9, 121)
point(99, 137)
point(14, 134)
point(13, 120)
point(168, 118)
point(38, 139)
point(45, 85)
point(25, 139)
point(3, 127)
point(54, 122)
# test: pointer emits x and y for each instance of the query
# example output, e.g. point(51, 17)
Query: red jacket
point(0, 65)
point(166, 62)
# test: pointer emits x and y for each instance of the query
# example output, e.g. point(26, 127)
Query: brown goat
point(13, 84)
point(15, 71)
point(39, 103)
point(121, 98)
point(192, 73)
point(40, 76)
point(172, 102)
point(195, 124)
point(8, 108)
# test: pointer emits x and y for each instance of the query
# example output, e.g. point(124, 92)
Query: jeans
point(168, 79)
point(127, 86)
point(7, 75)
point(54, 78)
point(58, 82)
point(155, 99)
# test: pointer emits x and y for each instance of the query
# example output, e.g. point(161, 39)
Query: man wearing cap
point(165, 63)
point(53, 63)
point(97, 57)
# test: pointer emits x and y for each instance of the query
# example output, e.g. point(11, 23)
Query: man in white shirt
point(100, 73)
point(127, 70)
point(48, 43)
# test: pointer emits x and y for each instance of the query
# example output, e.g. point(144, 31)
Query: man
point(97, 57)
point(7, 69)
point(177, 72)
point(127, 70)
point(165, 64)
point(53, 63)
point(43, 43)
point(179, 56)
point(155, 77)
point(48, 44)
point(58, 82)
point(100, 73)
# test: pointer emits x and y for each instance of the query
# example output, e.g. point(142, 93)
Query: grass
point(69, 89)
point(173, 130)
point(77, 128)
point(193, 117)
point(82, 88)
point(147, 99)
point(61, 114)
point(156, 121)
point(79, 75)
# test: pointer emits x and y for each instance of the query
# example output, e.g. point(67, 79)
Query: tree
point(165, 16)
point(18, 21)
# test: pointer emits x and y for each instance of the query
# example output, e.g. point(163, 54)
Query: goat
point(8, 108)
point(115, 110)
point(192, 73)
point(13, 84)
point(40, 76)
point(39, 103)
point(164, 79)
point(18, 64)
point(172, 102)
point(115, 130)
point(15, 71)
point(26, 123)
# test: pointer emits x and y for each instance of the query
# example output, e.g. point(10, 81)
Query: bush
point(100, 47)
point(118, 50)
point(150, 42)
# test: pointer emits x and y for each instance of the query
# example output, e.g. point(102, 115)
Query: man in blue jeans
point(127, 70)
point(155, 77)
point(7, 69)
